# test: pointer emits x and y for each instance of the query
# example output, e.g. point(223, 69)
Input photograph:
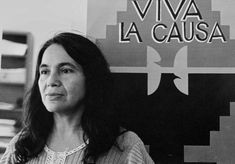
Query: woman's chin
point(52, 107)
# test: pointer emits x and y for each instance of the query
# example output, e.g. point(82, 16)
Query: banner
point(174, 67)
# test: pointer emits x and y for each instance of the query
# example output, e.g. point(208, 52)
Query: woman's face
point(61, 82)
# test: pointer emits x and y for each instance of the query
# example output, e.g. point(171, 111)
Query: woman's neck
point(68, 121)
point(67, 132)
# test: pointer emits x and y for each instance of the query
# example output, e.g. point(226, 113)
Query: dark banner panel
point(167, 120)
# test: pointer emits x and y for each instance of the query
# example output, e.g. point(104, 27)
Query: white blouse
point(133, 152)
point(60, 157)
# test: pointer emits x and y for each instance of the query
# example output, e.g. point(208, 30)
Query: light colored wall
point(101, 14)
point(42, 18)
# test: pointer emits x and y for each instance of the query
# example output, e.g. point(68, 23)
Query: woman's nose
point(53, 80)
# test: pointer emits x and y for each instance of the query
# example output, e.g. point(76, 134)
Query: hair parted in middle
point(99, 121)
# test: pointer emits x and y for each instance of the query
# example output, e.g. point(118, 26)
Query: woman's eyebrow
point(69, 64)
point(61, 65)
point(43, 65)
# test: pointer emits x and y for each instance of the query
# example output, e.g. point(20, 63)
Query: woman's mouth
point(54, 96)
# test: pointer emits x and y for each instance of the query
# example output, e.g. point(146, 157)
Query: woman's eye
point(43, 72)
point(66, 70)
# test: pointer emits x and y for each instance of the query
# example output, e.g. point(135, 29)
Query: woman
point(70, 116)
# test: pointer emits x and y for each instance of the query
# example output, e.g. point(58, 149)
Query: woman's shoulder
point(11, 144)
point(128, 139)
point(133, 149)
point(8, 156)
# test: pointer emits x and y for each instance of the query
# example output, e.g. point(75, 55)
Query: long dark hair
point(98, 121)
